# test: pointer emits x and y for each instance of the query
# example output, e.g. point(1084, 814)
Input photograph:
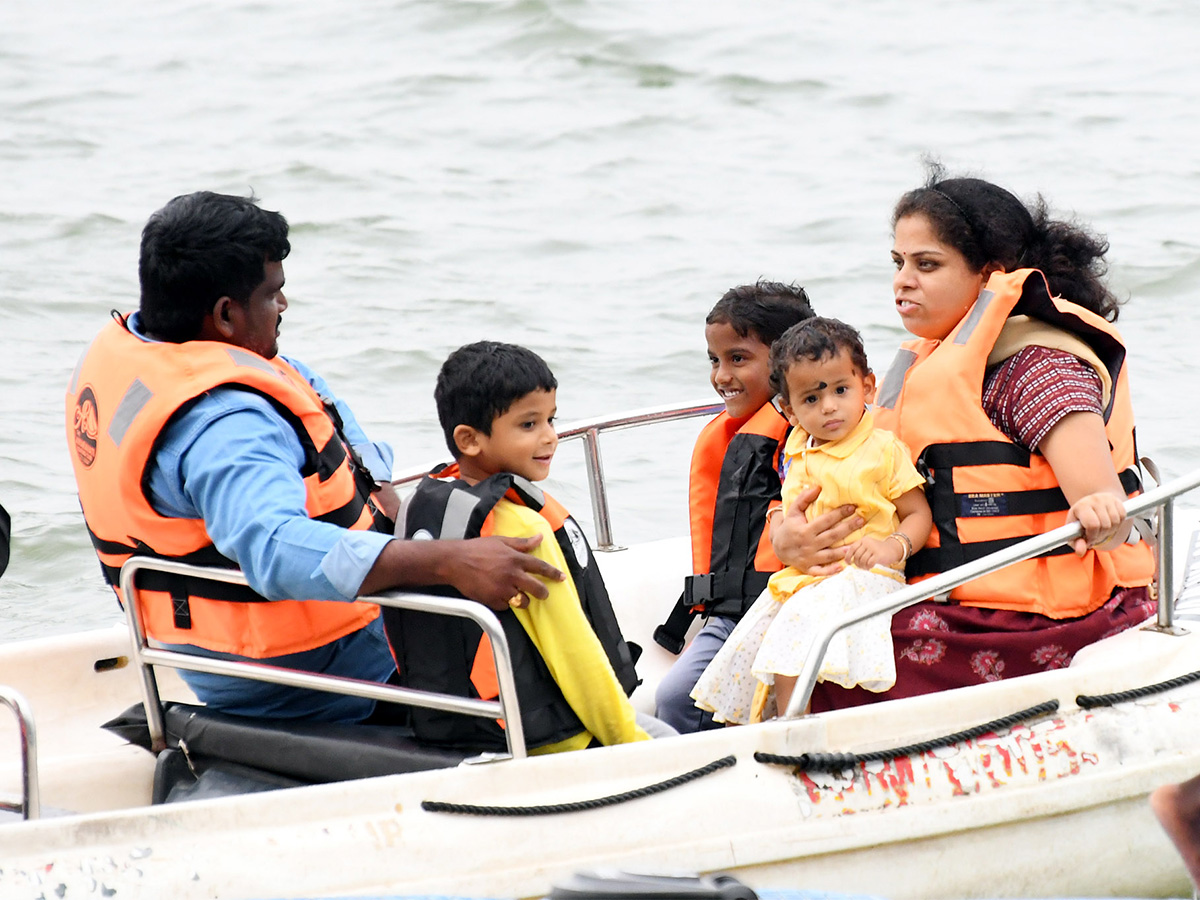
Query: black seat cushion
point(307, 752)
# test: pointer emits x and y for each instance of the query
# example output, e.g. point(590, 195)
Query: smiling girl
point(825, 384)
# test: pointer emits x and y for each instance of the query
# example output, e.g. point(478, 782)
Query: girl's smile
point(741, 369)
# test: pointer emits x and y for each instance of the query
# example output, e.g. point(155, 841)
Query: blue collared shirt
point(231, 460)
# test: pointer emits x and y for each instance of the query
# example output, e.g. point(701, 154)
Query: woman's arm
point(1077, 450)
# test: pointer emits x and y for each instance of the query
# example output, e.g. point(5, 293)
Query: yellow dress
point(869, 469)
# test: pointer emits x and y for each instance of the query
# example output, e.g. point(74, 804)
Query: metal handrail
point(589, 431)
point(506, 708)
point(30, 806)
point(1161, 498)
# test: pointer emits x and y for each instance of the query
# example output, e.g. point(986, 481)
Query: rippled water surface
point(585, 178)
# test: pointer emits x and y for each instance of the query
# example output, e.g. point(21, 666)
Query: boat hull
point(1052, 806)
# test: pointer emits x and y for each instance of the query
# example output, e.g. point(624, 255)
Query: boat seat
point(214, 754)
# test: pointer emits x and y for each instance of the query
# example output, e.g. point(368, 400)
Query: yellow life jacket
point(451, 655)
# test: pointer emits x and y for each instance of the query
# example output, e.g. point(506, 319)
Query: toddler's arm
point(916, 521)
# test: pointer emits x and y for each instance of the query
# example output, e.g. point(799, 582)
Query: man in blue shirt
point(243, 462)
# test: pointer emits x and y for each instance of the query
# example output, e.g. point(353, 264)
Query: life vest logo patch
point(976, 505)
point(87, 427)
point(578, 541)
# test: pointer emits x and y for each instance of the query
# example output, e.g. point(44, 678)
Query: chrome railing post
point(597, 489)
point(1165, 579)
point(589, 432)
point(151, 700)
point(31, 803)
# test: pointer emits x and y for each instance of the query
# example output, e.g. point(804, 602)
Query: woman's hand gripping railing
point(506, 708)
point(1161, 497)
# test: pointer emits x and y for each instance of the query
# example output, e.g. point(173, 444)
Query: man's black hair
point(199, 248)
point(480, 382)
point(765, 309)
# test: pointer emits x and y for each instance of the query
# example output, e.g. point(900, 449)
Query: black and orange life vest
point(734, 479)
point(451, 655)
point(985, 491)
point(122, 395)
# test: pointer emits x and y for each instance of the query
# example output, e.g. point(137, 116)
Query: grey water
point(582, 177)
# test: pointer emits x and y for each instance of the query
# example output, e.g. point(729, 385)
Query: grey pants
point(673, 701)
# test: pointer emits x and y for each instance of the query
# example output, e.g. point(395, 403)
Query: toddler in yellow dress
point(820, 369)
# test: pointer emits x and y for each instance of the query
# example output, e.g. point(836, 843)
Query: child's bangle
point(905, 544)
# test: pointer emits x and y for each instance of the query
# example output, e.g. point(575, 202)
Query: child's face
point(827, 397)
point(741, 369)
point(523, 441)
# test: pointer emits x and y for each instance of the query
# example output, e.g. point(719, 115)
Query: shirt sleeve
point(565, 639)
point(1029, 393)
point(233, 462)
point(377, 456)
point(904, 475)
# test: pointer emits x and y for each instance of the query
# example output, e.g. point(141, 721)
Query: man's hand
point(500, 572)
point(810, 546)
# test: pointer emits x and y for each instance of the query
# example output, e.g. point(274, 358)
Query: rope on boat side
point(839, 762)
point(579, 805)
point(1091, 701)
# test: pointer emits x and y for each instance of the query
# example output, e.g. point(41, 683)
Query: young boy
point(735, 478)
point(496, 406)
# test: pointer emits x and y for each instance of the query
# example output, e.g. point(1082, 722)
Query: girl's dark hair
point(480, 382)
point(987, 224)
point(817, 338)
point(765, 309)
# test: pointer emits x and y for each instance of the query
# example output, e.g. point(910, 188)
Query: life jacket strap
point(671, 634)
point(181, 609)
point(949, 507)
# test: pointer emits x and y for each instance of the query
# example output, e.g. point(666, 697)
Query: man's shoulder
point(301, 367)
point(220, 409)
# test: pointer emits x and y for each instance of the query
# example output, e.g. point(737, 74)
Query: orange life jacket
point(734, 479)
point(987, 492)
point(120, 398)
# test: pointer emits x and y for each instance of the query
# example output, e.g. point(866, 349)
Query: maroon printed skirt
point(940, 646)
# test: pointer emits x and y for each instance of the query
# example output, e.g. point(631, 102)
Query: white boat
point(1036, 791)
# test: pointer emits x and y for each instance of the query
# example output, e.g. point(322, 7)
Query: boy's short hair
point(480, 382)
point(765, 309)
point(816, 338)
